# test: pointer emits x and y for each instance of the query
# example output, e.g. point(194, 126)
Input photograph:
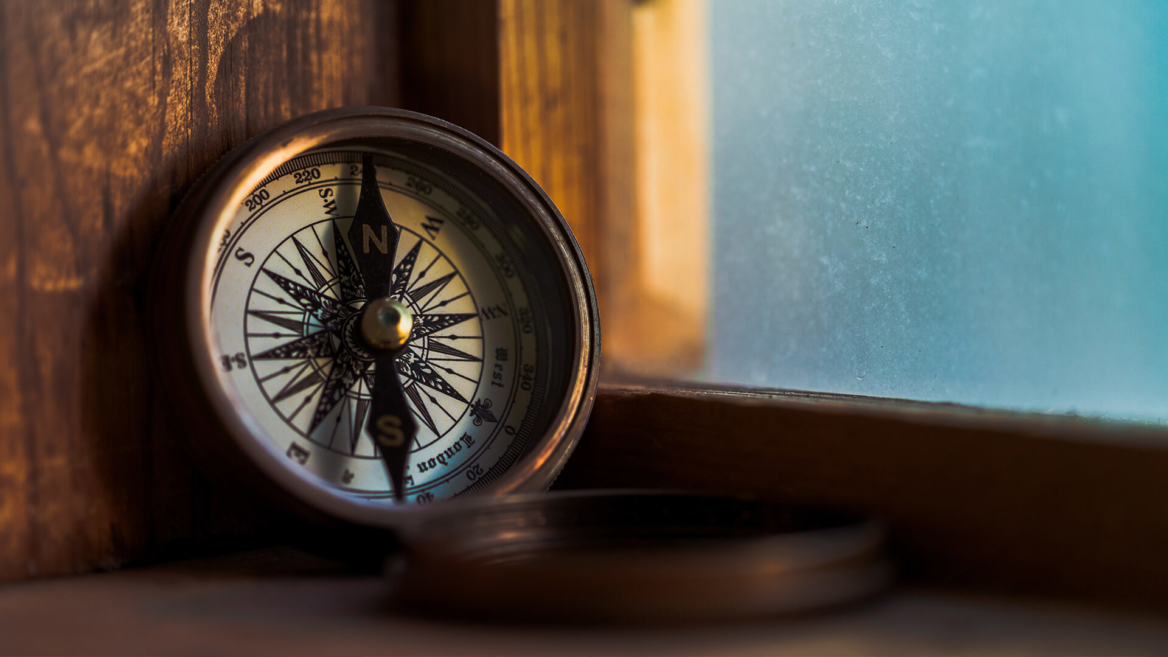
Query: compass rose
point(305, 308)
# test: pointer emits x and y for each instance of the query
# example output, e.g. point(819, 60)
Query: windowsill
point(1060, 426)
point(282, 601)
point(987, 500)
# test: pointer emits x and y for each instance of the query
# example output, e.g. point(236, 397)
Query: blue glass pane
point(948, 201)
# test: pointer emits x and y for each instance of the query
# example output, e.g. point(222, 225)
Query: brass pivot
point(386, 324)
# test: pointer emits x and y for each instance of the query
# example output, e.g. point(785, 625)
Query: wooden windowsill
point(282, 601)
point(986, 499)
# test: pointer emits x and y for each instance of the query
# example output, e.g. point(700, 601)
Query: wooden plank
point(603, 104)
point(108, 112)
point(566, 111)
point(976, 498)
point(450, 62)
point(659, 324)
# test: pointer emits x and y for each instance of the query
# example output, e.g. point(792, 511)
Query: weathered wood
point(659, 319)
point(565, 77)
point(976, 498)
point(108, 112)
point(450, 62)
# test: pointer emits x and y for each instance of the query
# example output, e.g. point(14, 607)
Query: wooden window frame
point(988, 499)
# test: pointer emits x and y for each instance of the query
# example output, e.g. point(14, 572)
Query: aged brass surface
point(386, 324)
point(637, 556)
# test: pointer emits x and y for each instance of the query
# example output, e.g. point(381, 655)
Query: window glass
point(942, 200)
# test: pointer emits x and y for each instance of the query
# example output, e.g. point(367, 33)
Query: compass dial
point(301, 260)
point(308, 357)
point(287, 306)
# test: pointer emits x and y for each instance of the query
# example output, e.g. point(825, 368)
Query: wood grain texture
point(108, 112)
point(566, 112)
point(450, 62)
point(981, 499)
point(659, 320)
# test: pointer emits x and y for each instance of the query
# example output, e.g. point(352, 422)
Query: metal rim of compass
point(180, 310)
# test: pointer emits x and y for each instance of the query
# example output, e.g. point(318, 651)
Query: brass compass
point(367, 310)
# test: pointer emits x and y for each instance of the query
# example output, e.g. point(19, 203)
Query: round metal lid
point(636, 556)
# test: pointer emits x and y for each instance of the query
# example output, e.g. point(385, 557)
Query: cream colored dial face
point(284, 318)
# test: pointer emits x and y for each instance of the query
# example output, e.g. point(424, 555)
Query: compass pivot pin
point(386, 324)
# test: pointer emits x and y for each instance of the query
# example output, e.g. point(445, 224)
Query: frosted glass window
point(945, 201)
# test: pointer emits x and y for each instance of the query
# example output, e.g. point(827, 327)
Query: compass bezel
point(181, 301)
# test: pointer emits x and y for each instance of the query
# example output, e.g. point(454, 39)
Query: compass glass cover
point(285, 315)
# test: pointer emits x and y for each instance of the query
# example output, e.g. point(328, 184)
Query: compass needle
point(374, 237)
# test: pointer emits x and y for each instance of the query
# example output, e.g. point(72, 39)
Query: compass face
point(308, 357)
point(485, 380)
point(286, 311)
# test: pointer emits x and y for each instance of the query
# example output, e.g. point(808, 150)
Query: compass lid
point(637, 556)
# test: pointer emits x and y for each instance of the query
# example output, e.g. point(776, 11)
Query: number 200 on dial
point(368, 309)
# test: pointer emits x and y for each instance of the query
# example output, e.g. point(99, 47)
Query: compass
point(370, 310)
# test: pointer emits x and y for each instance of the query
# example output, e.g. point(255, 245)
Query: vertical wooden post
point(450, 62)
point(108, 113)
point(565, 76)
